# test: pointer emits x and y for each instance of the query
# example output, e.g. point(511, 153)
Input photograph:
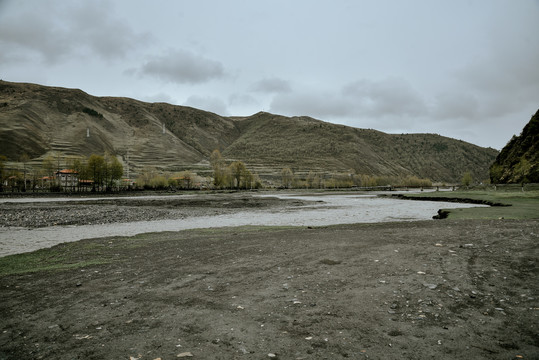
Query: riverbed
point(213, 212)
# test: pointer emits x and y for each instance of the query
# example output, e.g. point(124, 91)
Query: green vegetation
point(66, 173)
point(518, 162)
point(467, 179)
point(152, 179)
point(3, 160)
point(92, 112)
point(234, 176)
point(521, 204)
point(62, 257)
point(315, 180)
point(87, 253)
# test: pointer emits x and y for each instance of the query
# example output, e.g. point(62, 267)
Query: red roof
point(67, 171)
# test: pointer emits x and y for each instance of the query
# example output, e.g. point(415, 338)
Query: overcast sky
point(467, 69)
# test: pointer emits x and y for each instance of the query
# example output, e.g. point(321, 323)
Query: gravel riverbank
point(118, 210)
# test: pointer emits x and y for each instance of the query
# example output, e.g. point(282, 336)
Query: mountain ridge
point(518, 161)
point(42, 120)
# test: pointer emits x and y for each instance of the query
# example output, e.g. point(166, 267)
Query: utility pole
point(128, 179)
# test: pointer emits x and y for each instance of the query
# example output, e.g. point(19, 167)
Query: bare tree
point(287, 177)
point(24, 159)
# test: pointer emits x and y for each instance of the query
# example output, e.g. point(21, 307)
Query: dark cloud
point(103, 34)
point(57, 30)
point(181, 66)
point(271, 85)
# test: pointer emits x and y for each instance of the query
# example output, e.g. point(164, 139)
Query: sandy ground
point(418, 290)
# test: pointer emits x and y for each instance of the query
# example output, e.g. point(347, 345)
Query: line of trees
point(232, 176)
point(151, 179)
point(96, 173)
point(316, 180)
point(104, 171)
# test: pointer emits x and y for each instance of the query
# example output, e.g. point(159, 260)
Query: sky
point(466, 69)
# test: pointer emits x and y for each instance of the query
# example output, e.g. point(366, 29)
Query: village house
point(67, 178)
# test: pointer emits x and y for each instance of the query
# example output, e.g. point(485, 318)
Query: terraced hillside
point(43, 121)
point(306, 144)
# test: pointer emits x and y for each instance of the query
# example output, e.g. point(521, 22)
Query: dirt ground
point(441, 289)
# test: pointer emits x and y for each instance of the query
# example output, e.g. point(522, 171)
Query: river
point(326, 210)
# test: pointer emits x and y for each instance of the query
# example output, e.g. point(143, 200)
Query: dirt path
point(419, 290)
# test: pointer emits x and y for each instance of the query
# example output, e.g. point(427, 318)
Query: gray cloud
point(242, 100)
point(455, 105)
point(57, 30)
point(104, 34)
point(505, 78)
point(208, 103)
point(359, 99)
point(320, 105)
point(181, 66)
point(271, 85)
point(391, 96)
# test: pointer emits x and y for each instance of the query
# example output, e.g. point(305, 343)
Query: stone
point(185, 354)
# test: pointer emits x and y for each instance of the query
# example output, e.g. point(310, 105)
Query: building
point(67, 178)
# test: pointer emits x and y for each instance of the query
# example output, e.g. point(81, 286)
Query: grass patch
point(522, 205)
point(52, 259)
point(107, 250)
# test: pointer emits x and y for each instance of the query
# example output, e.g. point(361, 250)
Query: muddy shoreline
point(448, 199)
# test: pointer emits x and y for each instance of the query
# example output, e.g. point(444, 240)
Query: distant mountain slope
point(519, 159)
point(304, 144)
point(42, 120)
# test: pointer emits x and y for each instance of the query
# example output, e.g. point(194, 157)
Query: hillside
point(43, 121)
point(519, 159)
point(305, 144)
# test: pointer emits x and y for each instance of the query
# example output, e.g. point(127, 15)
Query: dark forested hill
point(519, 160)
point(43, 121)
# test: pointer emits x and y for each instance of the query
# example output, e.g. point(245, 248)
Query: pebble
point(185, 354)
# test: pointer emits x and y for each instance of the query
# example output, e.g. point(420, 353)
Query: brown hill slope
point(519, 159)
point(42, 120)
point(305, 144)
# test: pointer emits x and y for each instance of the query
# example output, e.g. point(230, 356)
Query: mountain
point(519, 160)
point(42, 121)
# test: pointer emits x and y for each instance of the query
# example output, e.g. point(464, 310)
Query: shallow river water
point(328, 210)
